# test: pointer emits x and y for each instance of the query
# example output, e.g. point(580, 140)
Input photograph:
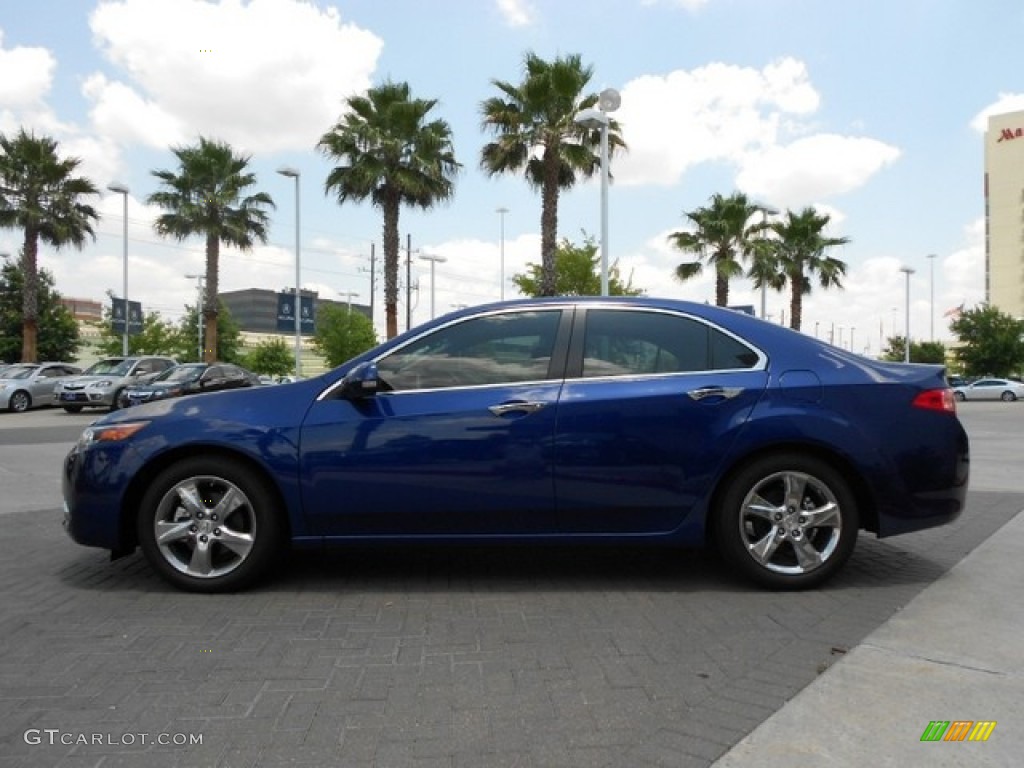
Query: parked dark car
point(188, 379)
point(602, 420)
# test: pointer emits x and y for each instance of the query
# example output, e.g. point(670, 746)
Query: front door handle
point(522, 407)
point(726, 393)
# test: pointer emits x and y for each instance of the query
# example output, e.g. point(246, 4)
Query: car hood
point(90, 378)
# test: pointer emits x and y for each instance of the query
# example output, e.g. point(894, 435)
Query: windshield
point(117, 366)
point(182, 373)
point(19, 372)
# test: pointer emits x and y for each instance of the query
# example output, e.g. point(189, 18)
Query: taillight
point(936, 400)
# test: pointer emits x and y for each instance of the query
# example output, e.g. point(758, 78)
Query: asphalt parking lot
point(442, 657)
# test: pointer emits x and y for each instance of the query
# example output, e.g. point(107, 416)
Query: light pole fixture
point(908, 271)
point(349, 295)
point(294, 174)
point(501, 264)
point(931, 291)
point(433, 283)
point(123, 190)
point(608, 101)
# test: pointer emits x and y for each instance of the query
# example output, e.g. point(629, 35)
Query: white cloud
point(715, 112)
point(517, 13)
point(26, 75)
point(120, 113)
point(266, 75)
point(1007, 102)
point(813, 167)
point(689, 5)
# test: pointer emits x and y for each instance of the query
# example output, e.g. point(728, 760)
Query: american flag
point(955, 311)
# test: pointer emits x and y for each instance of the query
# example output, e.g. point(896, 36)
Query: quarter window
point(494, 349)
point(629, 343)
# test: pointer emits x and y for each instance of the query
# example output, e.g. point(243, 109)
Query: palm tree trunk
point(721, 289)
point(796, 302)
point(30, 297)
point(210, 304)
point(549, 226)
point(390, 207)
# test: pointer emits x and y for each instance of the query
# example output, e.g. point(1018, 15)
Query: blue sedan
point(610, 420)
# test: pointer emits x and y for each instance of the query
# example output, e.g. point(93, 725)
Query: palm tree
point(800, 251)
point(725, 233)
point(537, 133)
point(389, 152)
point(41, 196)
point(207, 196)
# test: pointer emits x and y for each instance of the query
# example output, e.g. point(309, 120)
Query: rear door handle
point(703, 393)
point(522, 407)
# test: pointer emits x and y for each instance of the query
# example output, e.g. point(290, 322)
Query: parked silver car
point(1006, 390)
point(101, 384)
point(31, 385)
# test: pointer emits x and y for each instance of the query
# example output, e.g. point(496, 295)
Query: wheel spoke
point(238, 542)
point(170, 532)
point(760, 507)
point(188, 495)
point(826, 515)
point(796, 486)
point(763, 549)
point(202, 561)
point(231, 501)
point(808, 557)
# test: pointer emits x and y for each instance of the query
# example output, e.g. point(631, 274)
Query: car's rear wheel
point(788, 521)
point(20, 402)
point(1008, 397)
point(210, 524)
point(73, 408)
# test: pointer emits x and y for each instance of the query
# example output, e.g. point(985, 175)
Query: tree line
point(391, 149)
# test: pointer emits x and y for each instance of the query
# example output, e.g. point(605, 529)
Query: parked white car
point(1006, 390)
point(31, 385)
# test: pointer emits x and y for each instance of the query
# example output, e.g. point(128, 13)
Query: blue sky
point(872, 111)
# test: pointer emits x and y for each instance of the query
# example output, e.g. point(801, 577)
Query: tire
point(20, 401)
point(73, 408)
point(959, 396)
point(1008, 397)
point(114, 405)
point(786, 543)
point(206, 547)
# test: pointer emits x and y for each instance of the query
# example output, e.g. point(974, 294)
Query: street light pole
point(433, 283)
point(199, 312)
point(122, 190)
point(501, 269)
point(908, 271)
point(931, 289)
point(349, 295)
point(294, 174)
point(598, 119)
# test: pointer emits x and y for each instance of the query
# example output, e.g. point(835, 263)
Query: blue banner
point(286, 314)
point(117, 317)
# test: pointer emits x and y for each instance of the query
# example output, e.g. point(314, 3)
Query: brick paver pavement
point(463, 658)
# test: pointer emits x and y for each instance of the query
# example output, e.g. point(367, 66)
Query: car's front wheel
point(787, 520)
point(20, 402)
point(960, 396)
point(210, 524)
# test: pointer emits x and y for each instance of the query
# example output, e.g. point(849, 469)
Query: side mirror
point(362, 381)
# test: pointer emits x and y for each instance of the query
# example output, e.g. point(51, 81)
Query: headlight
point(101, 384)
point(111, 433)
